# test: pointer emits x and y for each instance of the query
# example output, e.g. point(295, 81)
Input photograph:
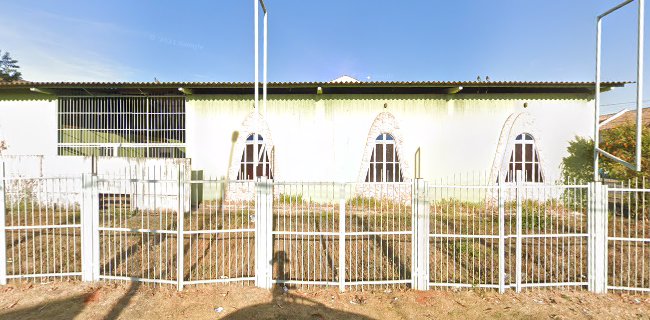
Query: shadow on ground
point(56, 309)
point(288, 306)
point(71, 307)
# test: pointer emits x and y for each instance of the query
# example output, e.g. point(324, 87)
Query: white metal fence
point(508, 236)
point(628, 236)
point(440, 234)
point(353, 234)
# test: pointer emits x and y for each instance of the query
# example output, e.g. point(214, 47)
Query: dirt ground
point(67, 300)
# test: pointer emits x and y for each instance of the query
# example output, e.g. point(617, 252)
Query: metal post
point(597, 224)
point(639, 84)
point(502, 236)
point(518, 250)
point(263, 233)
point(3, 232)
point(180, 237)
point(420, 236)
point(639, 90)
point(256, 87)
point(597, 100)
point(342, 238)
point(265, 57)
point(268, 241)
point(95, 226)
point(89, 229)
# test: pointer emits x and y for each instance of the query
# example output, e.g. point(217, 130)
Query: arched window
point(384, 162)
point(248, 160)
point(524, 157)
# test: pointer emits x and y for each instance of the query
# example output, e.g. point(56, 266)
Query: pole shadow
point(285, 305)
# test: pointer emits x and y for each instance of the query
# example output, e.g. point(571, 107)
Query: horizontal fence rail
point(168, 225)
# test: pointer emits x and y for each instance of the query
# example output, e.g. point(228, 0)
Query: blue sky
point(119, 40)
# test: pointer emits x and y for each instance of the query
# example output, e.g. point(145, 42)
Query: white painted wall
point(159, 190)
point(322, 138)
point(29, 127)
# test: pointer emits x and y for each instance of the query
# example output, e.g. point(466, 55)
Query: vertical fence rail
point(518, 241)
point(89, 229)
point(341, 271)
point(420, 240)
point(597, 251)
point(263, 233)
point(3, 234)
point(502, 236)
point(180, 242)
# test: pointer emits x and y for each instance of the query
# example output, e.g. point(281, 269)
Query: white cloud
point(46, 55)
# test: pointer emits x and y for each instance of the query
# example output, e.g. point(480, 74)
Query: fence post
point(502, 236)
point(180, 232)
point(420, 210)
point(597, 228)
point(342, 237)
point(89, 228)
point(518, 250)
point(263, 233)
point(3, 232)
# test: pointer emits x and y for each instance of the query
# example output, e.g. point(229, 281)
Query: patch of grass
point(289, 198)
point(376, 203)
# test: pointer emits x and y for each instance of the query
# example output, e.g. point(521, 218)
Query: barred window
point(384, 161)
point(524, 157)
point(122, 126)
point(264, 169)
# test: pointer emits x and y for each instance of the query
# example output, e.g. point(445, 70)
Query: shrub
point(618, 141)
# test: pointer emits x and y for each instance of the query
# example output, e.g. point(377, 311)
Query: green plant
point(289, 198)
point(618, 141)
point(378, 203)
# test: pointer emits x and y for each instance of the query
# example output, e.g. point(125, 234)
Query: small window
point(384, 161)
point(525, 158)
point(247, 163)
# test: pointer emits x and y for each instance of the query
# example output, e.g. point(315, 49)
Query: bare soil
point(73, 299)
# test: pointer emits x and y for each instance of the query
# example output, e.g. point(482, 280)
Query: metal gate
point(351, 234)
point(628, 236)
point(143, 214)
point(502, 236)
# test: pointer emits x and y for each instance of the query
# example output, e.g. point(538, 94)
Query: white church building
point(339, 131)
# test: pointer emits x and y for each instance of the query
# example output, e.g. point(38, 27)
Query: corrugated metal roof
point(362, 87)
point(22, 84)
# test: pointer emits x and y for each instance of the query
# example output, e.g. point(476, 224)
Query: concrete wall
point(325, 138)
point(29, 127)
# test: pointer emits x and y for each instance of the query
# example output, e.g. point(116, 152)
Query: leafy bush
point(618, 141)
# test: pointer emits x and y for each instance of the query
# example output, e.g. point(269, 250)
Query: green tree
point(9, 68)
point(619, 141)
